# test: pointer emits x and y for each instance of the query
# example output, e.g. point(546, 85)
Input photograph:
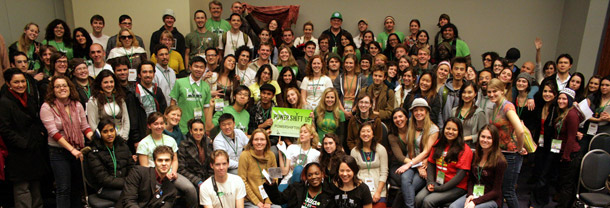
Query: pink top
point(52, 122)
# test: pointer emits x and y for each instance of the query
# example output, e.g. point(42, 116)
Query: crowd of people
point(191, 117)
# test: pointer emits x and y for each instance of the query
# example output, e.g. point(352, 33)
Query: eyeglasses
point(60, 86)
point(61, 62)
point(123, 37)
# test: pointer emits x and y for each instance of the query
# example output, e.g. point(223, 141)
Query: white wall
point(484, 25)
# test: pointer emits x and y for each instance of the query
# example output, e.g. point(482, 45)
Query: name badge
point(197, 113)
point(370, 183)
point(219, 103)
point(556, 146)
point(262, 191)
point(592, 129)
point(478, 190)
point(440, 177)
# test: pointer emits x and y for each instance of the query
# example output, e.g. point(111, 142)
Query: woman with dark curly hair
point(58, 35)
point(108, 101)
point(66, 124)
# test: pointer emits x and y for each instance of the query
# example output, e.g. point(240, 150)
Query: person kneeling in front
point(149, 186)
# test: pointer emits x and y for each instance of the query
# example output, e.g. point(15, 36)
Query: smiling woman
point(308, 194)
point(65, 121)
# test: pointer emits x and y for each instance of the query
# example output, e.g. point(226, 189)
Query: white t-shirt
point(147, 147)
point(165, 79)
point(232, 189)
point(101, 40)
point(315, 88)
point(94, 71)
point(246, 77)
point(298, 156)
point(234, 41)
point(232, 147)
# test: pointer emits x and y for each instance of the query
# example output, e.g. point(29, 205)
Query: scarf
point(23, 98)
point(71, 126)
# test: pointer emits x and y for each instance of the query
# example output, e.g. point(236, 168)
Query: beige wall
point(14, 15)
point(484, 25)
point(146, 15)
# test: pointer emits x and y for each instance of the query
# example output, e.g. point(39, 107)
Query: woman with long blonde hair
point(27, 43)
point(328, 116)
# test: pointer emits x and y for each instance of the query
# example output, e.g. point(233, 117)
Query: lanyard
point(367, 160)
point(88, 92)
point(559, 128)
point(200, 91)
point(112, 107)
point(601, 109)
point(315, 87)
point(480, 171)
point(460, 116)
point(496, 112)
point(260, 169)
point(164, 76)
point(229, 143)
point(113, 157)
point(349, 84)
point(314, 198)
point(129, 56)
point(153, 139)
point(243, 75)
point(303, 162)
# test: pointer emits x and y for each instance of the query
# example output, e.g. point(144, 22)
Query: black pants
point(568, 180)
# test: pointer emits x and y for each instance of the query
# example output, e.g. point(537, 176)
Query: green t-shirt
point(242, 119)
point(461, 49)
point(197, 42)
point(190, 97)
point(60, 47)
point(328, 124)
point(382, 38)
point(218, 27)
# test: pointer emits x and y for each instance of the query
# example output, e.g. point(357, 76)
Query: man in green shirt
point(200, 39)
point(217, 25)
point(238, 109)
point(388, 25)
point(193, 96)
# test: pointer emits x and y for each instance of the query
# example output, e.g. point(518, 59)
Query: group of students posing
point(412, 116)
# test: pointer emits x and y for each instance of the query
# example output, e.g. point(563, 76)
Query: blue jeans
point(459, 203)
point(511, 175)
point(68, 177)
point(410, 183)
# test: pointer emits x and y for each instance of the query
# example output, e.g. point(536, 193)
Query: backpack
point(224, 38)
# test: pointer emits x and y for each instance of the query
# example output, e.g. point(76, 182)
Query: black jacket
point(189, 164)
point(295, 194)
point(102, 168)
point(25, 137)
point(141, 190)
point(179, 42)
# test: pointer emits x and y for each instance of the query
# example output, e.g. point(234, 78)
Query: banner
point(288, 121)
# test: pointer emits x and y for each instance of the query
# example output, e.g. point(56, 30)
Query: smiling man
point(217, 25)
point(231, 140)
point(200, 39)
point(168, 24)
point(97, 26)
point(98, 56)
point(450, 92)
point(222, 189)
point(150, 96)
point(165, 78)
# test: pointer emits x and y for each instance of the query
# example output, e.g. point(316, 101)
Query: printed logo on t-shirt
point(193, 95)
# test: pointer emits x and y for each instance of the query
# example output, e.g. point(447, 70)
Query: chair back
point(600, 141)
point(594, 170)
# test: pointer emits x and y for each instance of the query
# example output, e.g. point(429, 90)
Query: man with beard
point(150, 96)
point(200, 39)
point(483, 101)
point(450, 35)
point(165, 78)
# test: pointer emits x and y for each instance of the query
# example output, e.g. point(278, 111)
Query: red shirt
point(450, 169)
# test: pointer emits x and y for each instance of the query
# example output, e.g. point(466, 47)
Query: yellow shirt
point(175, 61)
